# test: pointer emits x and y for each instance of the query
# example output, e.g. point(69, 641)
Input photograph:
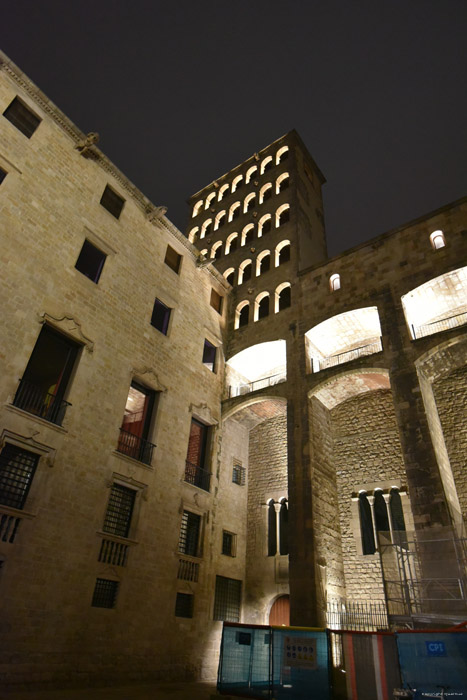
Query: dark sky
point(183, 91)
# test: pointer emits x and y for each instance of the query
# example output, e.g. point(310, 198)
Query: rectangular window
point(47, 376)
point(17, 469)
point(119, 511)
point(173, 259)
point(228, 543)
point(90, 261)
point(209, 355)
point(160, 316)
point(136, 424)
point(105, 593)
point(3, 175)
point(189, 534)
point(112, 201)
point(216, 301)
point(195, 466)
point(238, 474)
point(22, 117)
point(227, 599)
point(184, 605)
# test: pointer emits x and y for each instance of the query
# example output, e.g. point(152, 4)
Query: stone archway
point(279, 613)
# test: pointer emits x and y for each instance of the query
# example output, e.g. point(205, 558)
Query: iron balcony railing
point(364, 616)
point(113, 552)
point(443, 324)
point(196, 475)
point(241, 389)
point(31, 398)
point(348, 356)
point(135, 447)
point(9, 525)
point(188, 570)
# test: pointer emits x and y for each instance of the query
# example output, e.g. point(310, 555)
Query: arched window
point(282, 182)
point(265, 193)
point(197, 207)
point(272, 529)
point(209, 199)
point(437, 240)
point(206, 228)
point(250, 172)
point(266, 164)
point(193, 234)
point(335, 282)
point(282, 297)
point(230, 275)
point(264, 225)
point(399, 535)
point(244, 271)
point(237, 183)
point(241, 314)
point(234, 211)
point(282, 253)
point(204, 252)
point(282, 154)
point(231, 244)
point(263, 262)
point(248, 234)
point(282, 215)
point(223, 192)
point(220, 219)
point(262, 305)
point(366, 524)
point(216, 250)
point(283, 527)
point(249, 202)
point(381, 512)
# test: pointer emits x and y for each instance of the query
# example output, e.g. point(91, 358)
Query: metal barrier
point(348, 356)
point(242, 389)
point(443, 324)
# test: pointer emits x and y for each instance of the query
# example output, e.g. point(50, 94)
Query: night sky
point(181, 92)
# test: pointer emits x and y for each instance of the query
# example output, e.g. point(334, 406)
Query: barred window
point(238, 474)
point(227, 599)
point(189, 533)
point(112, 201)
point(22, 117)
point(184, 605)
point(105, 593)
point(119, 510)
point(17, 467)
point(228, 543)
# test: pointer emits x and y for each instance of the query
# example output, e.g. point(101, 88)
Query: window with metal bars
point(189, 533)
point(119, 510)
point(238, 474)
point(17, 467)
point(112, 201)
point(22, 117)
point(228, 543)
point(227, 599)
point(105, 593)
point(184, 605)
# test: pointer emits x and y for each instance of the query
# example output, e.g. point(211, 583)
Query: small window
point(284, 217)
point(90, 261)
point(437, 240)
point(3, 175)
point(184, 605)
point(117, 519)
point(160, 316)
point(17, 469)
point(22, 117)
point(228, 543)
point(112, 201)
point(335, 282)
point(216, 301)
point(105, 593)
point(209, 355)
point(227, 599)
point(173, 259)
point(190, 529)
point(238, 474)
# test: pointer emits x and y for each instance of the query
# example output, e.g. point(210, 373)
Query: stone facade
point(362, 394)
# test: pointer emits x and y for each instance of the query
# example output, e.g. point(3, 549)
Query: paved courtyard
point(147, 691)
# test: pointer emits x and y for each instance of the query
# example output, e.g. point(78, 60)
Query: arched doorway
point(280, 611)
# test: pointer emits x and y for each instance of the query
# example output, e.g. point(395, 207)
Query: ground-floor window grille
point(17, 469)
point(105, 593)
point(184, 605)
point(227, 599)
point(189, 533)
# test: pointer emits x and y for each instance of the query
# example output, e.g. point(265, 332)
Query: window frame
point(96, 277)
point(10, 113)
point(174, 266)
point(110, 201)
point(167, 310)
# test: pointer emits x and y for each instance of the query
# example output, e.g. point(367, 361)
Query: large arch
point(257, 367)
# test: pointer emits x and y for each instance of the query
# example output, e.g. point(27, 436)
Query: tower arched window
point(237, 183)
point(282, 215)
point(282, 182)
point(263, 262)
point(231, 243)
point(216, 250)
point(230, 275)
point(265, 193)
point(223, 192)
point(234, 211)
point(210, 198)
point(265, 225)
point(283, 296)
point(249, 202)
point(220, 219)
point(197, 207)
point(282, 253)
point(437, 240)
point(335, 282)
point(282, 154)
point(206, 228)
point(381, 512)
point(248, 234)
point(399, 534)
point(266, 164)
point(242, 313)
point(250, 173)
point(244, 271)
point(192, 236)
point(262, 306)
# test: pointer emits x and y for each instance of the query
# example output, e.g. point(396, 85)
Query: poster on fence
point(299, 652)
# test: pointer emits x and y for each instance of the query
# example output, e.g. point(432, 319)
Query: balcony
point(348, 356)
point(135, 447)
point(113, 552)
point(443, 324)
point(33, 399)
point(196, 475)
point(188, 570)
point(248, 387)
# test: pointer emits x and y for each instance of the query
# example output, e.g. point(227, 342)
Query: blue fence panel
point(244, 666)
point(431, 661)
point(300, 664)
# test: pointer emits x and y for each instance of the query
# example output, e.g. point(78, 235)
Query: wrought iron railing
point(31, 398)
point(241, 389)
point(135, 447)
point(113, 552)
point(348, 356)
point(188, 570)
point(196, 475)
point(9, 525)
point(443, 324)
point(365, 616)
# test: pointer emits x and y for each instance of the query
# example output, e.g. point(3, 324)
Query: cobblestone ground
point(151, 691)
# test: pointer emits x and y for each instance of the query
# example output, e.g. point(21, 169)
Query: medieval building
point(222, 425)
